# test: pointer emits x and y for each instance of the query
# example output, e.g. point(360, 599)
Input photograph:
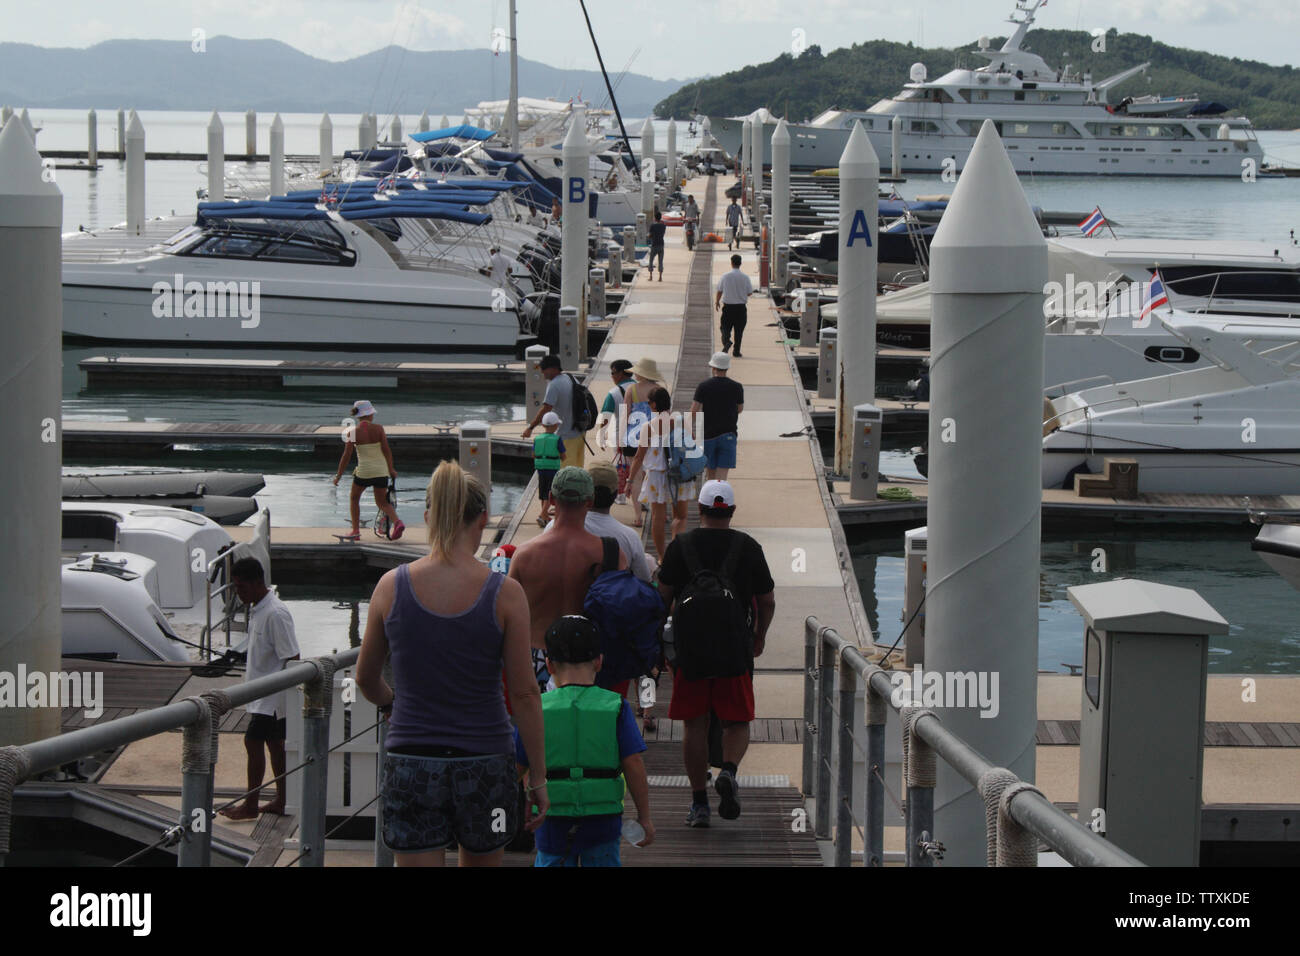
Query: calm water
point(1260, 608)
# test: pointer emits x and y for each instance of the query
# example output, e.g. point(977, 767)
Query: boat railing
point(198, 718)
point(219, 570)
point(1065, 388)
point(1019, 816)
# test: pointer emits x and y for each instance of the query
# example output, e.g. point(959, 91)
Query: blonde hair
point(453, 499)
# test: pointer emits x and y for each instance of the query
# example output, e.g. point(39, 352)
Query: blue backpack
point(629, 615)
point(685, 458)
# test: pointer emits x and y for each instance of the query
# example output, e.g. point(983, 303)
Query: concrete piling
point(780, 199)
point(424, 122)
point(121, 132)
point(988, 267)
point(859, 179)
point(573, 237)
point(326, 143)
point(92, 139)
point(395, 130)
point(135, 175)
point(216, 159)
point(31, 265)
point(277, 156)
point(648, 170)
point(756, 168)
point(250, 134)
point(672, 156)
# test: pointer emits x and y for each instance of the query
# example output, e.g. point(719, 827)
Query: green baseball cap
point(572, 484)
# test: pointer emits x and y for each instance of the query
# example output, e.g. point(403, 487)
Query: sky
point(664, 39)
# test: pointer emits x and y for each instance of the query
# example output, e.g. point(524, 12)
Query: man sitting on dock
point(717, 584)
point(272, 644)
point(555, 568)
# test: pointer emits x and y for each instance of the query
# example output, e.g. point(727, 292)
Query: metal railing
point(1018, 815)
point(198, 718)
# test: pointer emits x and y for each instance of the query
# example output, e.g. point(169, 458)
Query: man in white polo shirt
point(272, 644)
point(734, 289)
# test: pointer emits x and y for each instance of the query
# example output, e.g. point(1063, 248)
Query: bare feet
point(276, 807)
point(240, 811)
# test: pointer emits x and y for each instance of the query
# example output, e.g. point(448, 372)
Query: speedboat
point(143, 582)
point(1052, 121)
point(225, 497)
point(1279, 545)
point(1231, 428)
point(312, 269)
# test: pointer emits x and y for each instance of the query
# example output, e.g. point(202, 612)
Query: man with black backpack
point(720, 592)
point(571, 400)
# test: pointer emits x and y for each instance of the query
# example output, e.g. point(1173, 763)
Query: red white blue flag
point(1156, 296)
point(1093, 222)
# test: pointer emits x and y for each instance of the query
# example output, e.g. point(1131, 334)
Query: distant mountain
point(856, 77)
point(267, 75)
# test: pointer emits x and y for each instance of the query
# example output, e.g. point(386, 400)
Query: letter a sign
point(859, 228)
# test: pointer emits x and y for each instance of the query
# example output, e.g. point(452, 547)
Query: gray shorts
point(432, 802)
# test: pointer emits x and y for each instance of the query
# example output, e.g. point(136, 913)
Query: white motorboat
point(142, 582)
point(1051, 122)
point(1279, 545)
point(1232, 428)
point(225, 497)
point(292, 272)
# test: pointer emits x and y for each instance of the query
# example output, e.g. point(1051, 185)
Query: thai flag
point(1093, 222)
point(1156, 296)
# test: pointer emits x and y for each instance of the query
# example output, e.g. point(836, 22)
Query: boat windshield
point(307, 241)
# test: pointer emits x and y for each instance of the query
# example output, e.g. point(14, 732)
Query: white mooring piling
point(746, 146)
point(121, 133)
point(648, 172)
point(573, 237)
point(250, 134)
point(326, 160)
point(277, 156)
point(856, 340)
point(135, 175)
point(424, 122)
point(92, 139)
point(780, 200)
point(896, 147)
point(444, 124)
point(26, 117)
point(395, 130)
point(756, 169)
point(988, 266)
point(672, 156)
point(216, 159)
point(5, 113)
point(31, 263)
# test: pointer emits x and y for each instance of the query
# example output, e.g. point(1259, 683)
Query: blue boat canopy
point(368, 209)
point(464, 131)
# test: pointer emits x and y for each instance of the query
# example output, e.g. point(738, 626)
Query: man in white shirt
point(272, 644)
point(499, 266)
point(734, 289)
point(604, 525)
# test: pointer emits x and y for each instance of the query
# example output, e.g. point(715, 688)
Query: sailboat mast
point(512, 110)
point(608, 87)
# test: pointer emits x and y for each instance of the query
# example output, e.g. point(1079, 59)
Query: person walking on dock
point(716, 582)
point(636, 400)
point(735, 218)
point(657, 230)
point(374, 468)
point(613, 417)
point(734, 289)
point(592, 749)
point(721, 399)
point(601, 523)
point(272, 644)
point(451, 624)
point(555, 568)
point(559, 399)
point(652, 456)
point(547, 451)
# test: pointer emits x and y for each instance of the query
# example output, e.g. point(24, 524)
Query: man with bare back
point(556, 568)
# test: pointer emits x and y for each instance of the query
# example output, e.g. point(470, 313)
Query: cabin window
point(1019, 96)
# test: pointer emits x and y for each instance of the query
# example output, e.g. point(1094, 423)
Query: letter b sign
point(577, 189)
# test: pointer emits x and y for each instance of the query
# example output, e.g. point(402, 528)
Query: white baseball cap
point(720, 360)
point(363, 408)
point(550, 418)
point(717, 494)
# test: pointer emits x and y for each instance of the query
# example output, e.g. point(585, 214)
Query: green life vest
point(583, 770)
point(546, 452)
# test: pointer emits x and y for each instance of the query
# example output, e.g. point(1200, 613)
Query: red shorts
point(731, 698)
point(621, 689)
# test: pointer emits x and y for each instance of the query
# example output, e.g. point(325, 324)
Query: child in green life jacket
point(548, 449)
point(592, 747)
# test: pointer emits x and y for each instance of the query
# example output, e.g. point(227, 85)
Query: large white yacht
point(1051, 122)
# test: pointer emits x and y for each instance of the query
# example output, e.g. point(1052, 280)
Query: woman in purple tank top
point(450, 625)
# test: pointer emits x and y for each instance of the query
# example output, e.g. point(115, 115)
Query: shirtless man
point(555, 568)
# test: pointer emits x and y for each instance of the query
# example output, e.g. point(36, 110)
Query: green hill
point(855, 77)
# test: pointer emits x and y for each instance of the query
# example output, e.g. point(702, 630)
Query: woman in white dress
point(653, 445)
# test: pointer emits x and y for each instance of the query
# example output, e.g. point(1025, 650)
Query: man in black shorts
point(272, 644)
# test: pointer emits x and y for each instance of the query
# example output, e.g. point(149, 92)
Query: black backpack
point(584, 406)
point(712, 636)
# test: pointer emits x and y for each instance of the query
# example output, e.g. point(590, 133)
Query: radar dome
point(984, 43)
point(917, 72)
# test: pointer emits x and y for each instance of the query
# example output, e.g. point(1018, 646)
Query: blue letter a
point(859, 228)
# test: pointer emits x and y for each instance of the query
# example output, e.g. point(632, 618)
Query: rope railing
point(1018, 816)
point(199, 718)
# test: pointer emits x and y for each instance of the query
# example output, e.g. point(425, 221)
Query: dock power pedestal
point(864, 469)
